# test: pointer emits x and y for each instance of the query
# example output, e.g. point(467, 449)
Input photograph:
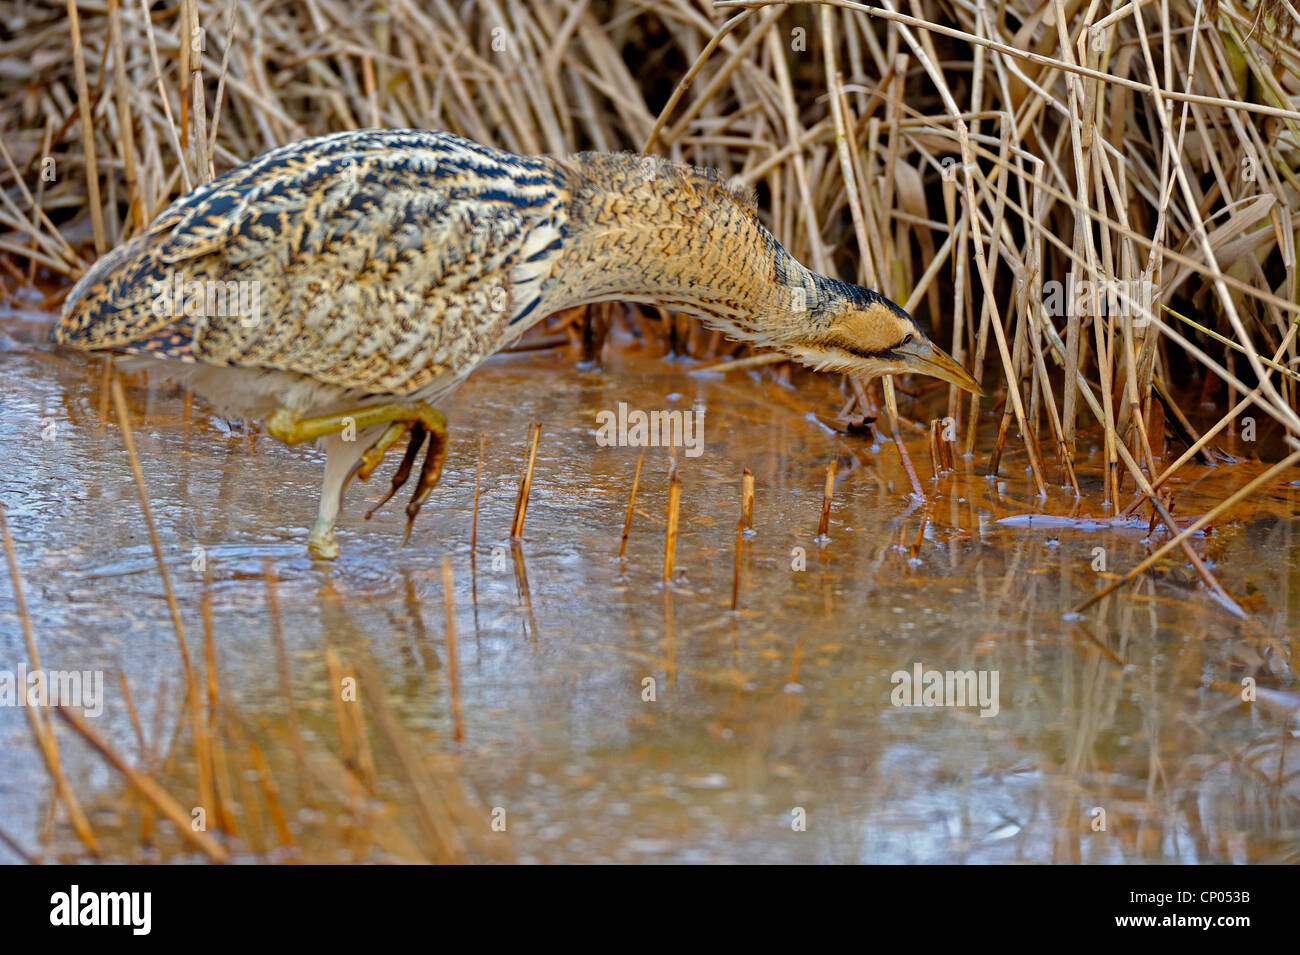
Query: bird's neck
point(641, 229)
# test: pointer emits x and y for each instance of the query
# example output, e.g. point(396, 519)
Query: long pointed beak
point(926, 358)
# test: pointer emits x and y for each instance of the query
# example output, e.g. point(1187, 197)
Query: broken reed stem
point(448, 596)
point(891, 406)
point(146, 786)
point(40, 723)
point(525, 484)
point(128, 439)
point(824, 525)
point(941, 459)
point(670, 534)
point(631, 502)
point(915, 550)
point(747, 500)
point(478, 483)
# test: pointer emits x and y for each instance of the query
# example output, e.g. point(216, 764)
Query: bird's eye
point(907, 340)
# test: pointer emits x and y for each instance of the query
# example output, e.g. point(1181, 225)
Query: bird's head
point(856, 330)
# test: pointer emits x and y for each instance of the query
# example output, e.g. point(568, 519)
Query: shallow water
point(783, 706)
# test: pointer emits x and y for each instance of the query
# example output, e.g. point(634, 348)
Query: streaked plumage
point(388, 263)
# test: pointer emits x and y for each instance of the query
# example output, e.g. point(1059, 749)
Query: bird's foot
point(429, 475)
point(404, 469)
point(417, 417)
point(321, 543)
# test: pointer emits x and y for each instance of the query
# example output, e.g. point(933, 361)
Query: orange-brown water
point(783, 706)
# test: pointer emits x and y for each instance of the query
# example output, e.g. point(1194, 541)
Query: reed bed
point(960, 157)
point(1092, 205)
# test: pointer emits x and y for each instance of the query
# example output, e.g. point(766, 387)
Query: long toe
point(375, 453)
point(403, 471)
point(429, 475)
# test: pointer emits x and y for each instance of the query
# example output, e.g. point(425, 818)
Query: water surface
point(777, 713)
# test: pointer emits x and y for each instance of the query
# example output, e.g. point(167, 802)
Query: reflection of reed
point(522, 593)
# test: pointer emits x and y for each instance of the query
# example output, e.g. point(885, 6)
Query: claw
point(416, 418)
point(429, 475)
point(404, 469)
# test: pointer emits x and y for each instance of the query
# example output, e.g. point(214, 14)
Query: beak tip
point(938, 364)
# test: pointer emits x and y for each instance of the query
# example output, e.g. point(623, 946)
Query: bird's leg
point(404, 469)
point(292, 428)
point(340, 461)
point(289, 426)
point(429, 475)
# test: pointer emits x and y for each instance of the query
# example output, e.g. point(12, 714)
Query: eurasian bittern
point(371, 271)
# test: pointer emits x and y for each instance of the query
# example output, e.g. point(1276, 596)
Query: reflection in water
point(1120, 736)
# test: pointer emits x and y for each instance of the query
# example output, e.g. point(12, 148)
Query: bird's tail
point(110, 304)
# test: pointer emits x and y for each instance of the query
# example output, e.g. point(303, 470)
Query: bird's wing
point(376, 260)
point(394, 274)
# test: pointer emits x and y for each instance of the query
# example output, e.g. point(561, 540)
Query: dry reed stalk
point(525, 484)
point(128, 439)
point(941, 459)
point(478, 483)
point(828, 493)
point(747, 500)
point(42, 729)
point(631, 503)
point(670, 530)
point(270, 794)
point(87, 131)
point(1180, 538)
point(431, 810)
point(146, 786)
